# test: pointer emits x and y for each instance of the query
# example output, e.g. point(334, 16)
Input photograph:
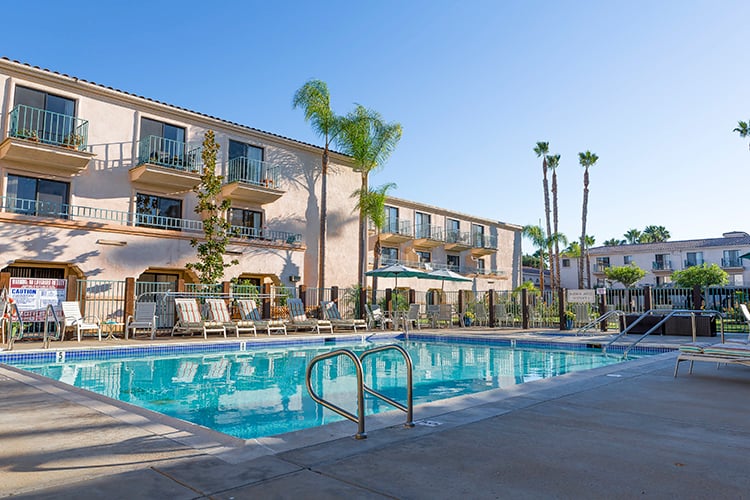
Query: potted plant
point(469, 318)
point(29, 134)
point(570, 317)
point(73, 141)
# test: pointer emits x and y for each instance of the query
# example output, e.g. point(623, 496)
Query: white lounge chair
point(249, 312)
point(144, 319)
point(298, 319)
point(218, 311)
point(332, 314)
point(189, 320)
point(72, 317)
point(376, 316)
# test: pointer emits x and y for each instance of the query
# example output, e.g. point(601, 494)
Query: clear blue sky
point(653, 87)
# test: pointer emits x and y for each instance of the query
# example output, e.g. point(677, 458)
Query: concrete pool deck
point(617, 432)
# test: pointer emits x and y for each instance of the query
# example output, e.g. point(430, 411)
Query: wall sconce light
point(233, 252)
point(294, 278)
point(112, 243)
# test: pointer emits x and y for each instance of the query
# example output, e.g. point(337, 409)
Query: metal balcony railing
point(170, 154)
point(256, 172)
point(731, 262)
point(425, 231)
point(48, 127)
point(600, 267)
point(665, 265)
point(397, 226)
point(455, 236)
point(484, 241)
point(77, 212)
point(691, 263)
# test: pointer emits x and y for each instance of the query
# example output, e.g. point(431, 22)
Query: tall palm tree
point(743, 128)
point(613, 242)
point(655, 234)
point(542, 149)
point(537, 237)
point(590, 241)
point(632, 236)
point(369, 140)
point(552, 163)
point(587, 160)
point(314, 99)
point(573, 250)
point(372, 204)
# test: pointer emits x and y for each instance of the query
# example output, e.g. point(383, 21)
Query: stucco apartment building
point(660, 260)
point(97, 183)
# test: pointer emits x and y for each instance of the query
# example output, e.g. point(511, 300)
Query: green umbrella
point(396, 271)
point(446, 275)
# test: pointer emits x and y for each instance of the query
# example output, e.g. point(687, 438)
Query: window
point(694, 259)
point(53, 126)
point(566, 262)
point(731, 258)
point(477, 235)
point(452, 230)
point(246, 163)
point(424, 256)
point(250, 219)
point(480, 266)
point(154, 277)
point(736, 280)
point(602, 263)
point(388, 255)
point(32, 196)
point(627, 260)
point(391, 220)
point(158, 212)
point(422, 224)
point(453, 262)
point(165, 143)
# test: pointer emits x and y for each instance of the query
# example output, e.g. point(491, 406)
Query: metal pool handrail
point(598, 320)
point(359, 418)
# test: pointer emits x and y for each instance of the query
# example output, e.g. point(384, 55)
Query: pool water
point(262, 392)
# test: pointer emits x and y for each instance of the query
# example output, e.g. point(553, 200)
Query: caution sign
point(32, 295)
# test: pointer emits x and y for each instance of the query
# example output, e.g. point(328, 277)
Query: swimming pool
point(260, 391)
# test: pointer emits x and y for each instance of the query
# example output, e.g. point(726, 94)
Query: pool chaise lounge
point(298, 319)
point(189, 320)
point(732, 353)
point(332, 314)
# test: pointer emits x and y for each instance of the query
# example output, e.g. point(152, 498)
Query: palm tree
point(573, 250)
point(632, 236)
point(314, 99)
point(590, 241)
point(654, 234)
point(539, 240)
point(552, 163)
point(587, 160)
point(613, 242)
point(372, 204)
point(542, 149)
point(369, 140)
point(743, 128)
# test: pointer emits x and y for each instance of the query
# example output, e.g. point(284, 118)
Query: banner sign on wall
point(32, 295)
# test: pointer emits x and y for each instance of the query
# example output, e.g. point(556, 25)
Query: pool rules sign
point(32, 295)
point(581, 296)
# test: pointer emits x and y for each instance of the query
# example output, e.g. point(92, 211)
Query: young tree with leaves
point(536, 235)
point(627, 275)
point(213, 209)
point(587, 160)
point(314, 99)
point(372, 204)
point(703, 275)
point(369, 140)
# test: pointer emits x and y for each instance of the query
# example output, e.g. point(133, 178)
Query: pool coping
point(430, 417)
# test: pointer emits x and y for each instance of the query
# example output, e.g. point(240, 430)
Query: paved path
point(622, 431)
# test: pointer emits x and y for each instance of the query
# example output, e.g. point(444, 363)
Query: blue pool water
point(261, 392)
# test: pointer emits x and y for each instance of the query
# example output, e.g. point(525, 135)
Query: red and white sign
point(32, 295)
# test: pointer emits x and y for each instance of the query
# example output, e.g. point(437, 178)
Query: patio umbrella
point(446, 275)
point(396, 270)
point(745, 256)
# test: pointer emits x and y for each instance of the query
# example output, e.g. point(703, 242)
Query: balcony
point(46, 142)
point(66, 211)
point(691, 263)
point(485, 272)
point(457, 241)
point(662, 267)
point(482, 244)
point(166, 165)
point(600, 268)
point(428, 236)
point(732, 263)
point(252, 181)
point(395, 231)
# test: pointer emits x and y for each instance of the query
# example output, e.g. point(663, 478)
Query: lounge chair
point(413, 316)
point(249, 312)
point(72, 317)
point(503, 317)
point(218, 312)
point(376, 316)
point(332, 314)
point(481, 318)
point(445, 315)
point(145, 319)
point(731, 352)
point(189, 320)
point(298, 319)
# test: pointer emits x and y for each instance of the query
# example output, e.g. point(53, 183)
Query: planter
point(568, 324)
point(468, 321)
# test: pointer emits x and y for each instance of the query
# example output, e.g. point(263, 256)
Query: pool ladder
point(359, 418)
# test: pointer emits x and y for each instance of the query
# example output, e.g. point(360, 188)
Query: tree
point(552, 162)
point(587, 160)
point(613, 242)
point(703, 275)
point(573, 250)
point(743, 128)
point(536, 235)
point(654, 234)
point(530, 261)
point(627, 275)
point(372, 204)
point(216, 228)
point(314, 99)
point(541, 149)
point(632, 236)
point(369, 140)
point(590, 241)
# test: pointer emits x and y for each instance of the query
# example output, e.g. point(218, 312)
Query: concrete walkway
point(623, 431)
